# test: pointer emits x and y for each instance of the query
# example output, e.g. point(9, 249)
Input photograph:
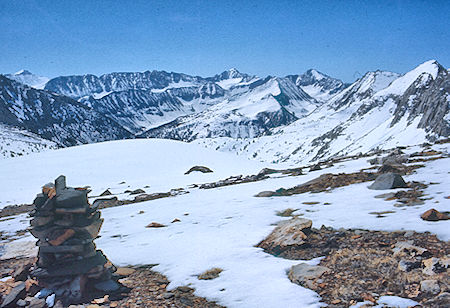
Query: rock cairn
point(65, 224)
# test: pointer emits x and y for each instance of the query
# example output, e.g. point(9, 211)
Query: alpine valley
point(296, 118)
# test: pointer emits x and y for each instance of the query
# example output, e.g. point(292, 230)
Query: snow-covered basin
point(220, 227)
point(160, 164)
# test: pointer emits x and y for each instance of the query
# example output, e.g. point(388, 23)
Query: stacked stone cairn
point(68, 264)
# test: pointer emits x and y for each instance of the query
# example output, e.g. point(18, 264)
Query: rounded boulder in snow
point(388, 181)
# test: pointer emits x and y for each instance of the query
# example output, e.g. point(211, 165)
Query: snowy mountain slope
point(265, 104)
point(318, 85)
point(54, 117)
point(16, 142)
point(377, 111)
point(223, 224)
point(29, 79)
point(160, 164)
point(87, 85)
point(139, 110)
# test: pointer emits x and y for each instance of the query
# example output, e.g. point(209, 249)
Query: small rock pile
point(65, 224)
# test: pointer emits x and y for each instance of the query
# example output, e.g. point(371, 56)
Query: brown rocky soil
point(364, 265)
point(147, 288)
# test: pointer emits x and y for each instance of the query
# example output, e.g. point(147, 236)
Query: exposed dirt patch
point(324, 182)
point(363, 265)
point(147, 289)
point(11, 210)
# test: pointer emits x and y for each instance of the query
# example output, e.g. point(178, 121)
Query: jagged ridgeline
point(310, 116)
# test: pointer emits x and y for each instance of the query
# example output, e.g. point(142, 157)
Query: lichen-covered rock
point(290, 232)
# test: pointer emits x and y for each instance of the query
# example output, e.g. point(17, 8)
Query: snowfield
point(218, 227)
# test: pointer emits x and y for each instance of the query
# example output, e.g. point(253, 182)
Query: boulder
point(290, 232)
point(105, 193)
point(155, 225)
point(304, 274)
point(201, 169)
point(315, 168)
point(137, 191)
point(394, 160)
point(434, 215)
point(265, 193)
point(388, 181)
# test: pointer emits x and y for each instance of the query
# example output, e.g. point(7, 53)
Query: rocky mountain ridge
point(380, 110)
point(305, 117)
point(54, 117)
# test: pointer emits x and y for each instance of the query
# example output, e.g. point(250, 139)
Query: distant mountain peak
point(316, 74)
point(23, 72)
point(29, 79)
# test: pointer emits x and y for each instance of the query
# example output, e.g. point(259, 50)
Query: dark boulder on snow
point(388, 181)
point(137, 191)
point(106, 193)
point(434, 215)
point(202, 169)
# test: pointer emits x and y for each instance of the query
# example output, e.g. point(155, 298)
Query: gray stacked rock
point(66, 225)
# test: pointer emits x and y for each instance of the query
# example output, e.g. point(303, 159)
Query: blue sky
point(343, 39)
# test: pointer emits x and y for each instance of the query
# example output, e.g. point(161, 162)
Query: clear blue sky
point(341, 38)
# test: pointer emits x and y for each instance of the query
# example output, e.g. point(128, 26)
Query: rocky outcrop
point(288, 233)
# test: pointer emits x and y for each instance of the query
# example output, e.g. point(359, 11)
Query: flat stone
point(21, 273)
point(37, 303)
point(430, 286)
point(408, 248)
point(303, 272)
point(168, 295)
point(184, 289)
point(125, 271)
point(265, 194)
point(388, 181)
point(14, 295)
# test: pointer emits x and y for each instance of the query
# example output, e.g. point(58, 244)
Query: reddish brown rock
point(434, 215)
point(155, 225)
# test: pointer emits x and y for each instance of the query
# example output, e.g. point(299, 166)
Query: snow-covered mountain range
point(29, 79)
point(305, 117)
point(54, 117)
point(379, 110)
